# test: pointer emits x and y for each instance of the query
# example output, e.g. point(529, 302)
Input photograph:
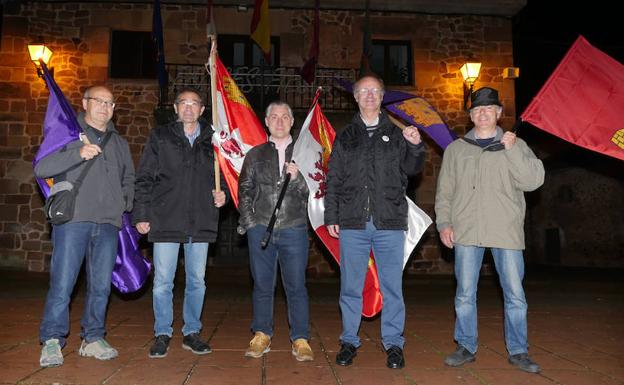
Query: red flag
point(238, 129)
point(583, 101)
point(261, 28)
point(311, 152)
point(308, 71)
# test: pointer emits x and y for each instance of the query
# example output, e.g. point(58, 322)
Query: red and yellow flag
point(261, 28)
point(311, 152)
point(583, 101)
point(238, 128)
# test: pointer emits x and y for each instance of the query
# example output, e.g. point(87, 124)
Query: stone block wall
point(79, 35)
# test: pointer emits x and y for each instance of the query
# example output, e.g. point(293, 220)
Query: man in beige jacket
point(480, 204)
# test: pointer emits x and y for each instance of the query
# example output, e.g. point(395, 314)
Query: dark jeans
point(289, 247)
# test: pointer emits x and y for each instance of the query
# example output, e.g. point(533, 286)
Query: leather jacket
point(259, 185)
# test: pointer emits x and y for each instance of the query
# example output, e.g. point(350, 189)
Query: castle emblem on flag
point(233, 93)
point(618, 138)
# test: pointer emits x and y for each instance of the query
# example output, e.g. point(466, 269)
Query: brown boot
point(258, 345)
point(302, 350)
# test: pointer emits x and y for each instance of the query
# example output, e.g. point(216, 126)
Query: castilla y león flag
point(238, 129)
point(311, 152)
point(583, 101)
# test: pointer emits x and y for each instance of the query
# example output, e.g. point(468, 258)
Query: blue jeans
point(510, 267)
point(165, 265)
point(72, 243)
point(289, 247)
point(355, 247)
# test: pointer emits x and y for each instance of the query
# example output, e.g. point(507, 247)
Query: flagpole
point(397, 122)
point(213, 99)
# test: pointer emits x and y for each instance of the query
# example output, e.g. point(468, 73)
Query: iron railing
point(263, 85)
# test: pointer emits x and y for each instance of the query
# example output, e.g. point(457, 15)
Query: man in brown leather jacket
point(259, 185)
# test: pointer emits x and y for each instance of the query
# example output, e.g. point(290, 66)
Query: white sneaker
point(51, 355)
point(99, 349)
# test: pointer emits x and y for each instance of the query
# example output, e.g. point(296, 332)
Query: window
point(132, 55)
point(392, 60)
point(240, 50)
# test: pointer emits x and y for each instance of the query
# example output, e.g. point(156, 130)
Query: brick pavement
point(576, 331)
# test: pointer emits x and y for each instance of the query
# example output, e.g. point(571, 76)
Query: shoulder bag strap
point(85, 170)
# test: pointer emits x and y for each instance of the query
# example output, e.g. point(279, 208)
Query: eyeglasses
point(364, 91)
point(192, 103)
point(102, 102)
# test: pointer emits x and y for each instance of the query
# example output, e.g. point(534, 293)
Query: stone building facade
point(79, 34)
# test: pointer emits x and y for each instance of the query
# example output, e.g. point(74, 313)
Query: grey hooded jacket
point(480, 193)
point(108, 189)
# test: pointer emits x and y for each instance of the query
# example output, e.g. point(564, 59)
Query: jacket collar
point(383, 120)
point(472, 134)
point(495, 145)
point(205, 131)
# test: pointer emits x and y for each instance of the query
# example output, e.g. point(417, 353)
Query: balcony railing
point(262, 86)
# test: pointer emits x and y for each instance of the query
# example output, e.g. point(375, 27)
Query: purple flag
point(60, 127)
point(131, 268)
point(414, 110)
point(419, 113)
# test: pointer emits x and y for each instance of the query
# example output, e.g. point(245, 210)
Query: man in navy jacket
point(365, 207)
point(174, 205)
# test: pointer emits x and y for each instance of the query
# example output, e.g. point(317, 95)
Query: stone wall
point(575, 223)
point(79, 35)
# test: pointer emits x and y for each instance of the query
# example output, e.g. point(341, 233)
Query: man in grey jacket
point(480, 204)
point(106, 192)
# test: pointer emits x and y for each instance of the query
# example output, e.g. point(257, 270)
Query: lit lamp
point(470, 73)
point(39, 53)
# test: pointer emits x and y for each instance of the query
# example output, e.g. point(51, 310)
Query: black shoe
point(459, 357)
point(395, 357)
point(193, 343)
point(523, 362)
point(160, 347)
point(346, 354)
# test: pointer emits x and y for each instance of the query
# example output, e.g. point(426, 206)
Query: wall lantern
point(470, 72)
point(40, 53)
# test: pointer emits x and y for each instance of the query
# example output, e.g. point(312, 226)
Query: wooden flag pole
point(397, 122)
point(213, 99)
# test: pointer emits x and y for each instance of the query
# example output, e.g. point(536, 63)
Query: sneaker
point(523, 362)
point(51, 355)
point(160, 347)
point(258, 345)
point(459, 357)
point(302, 350)
point(100, 350)
point(194, 344)
point(395, 360)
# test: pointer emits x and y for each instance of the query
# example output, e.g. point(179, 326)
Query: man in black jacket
point(366, 208)
point(91, 235)
point(174, 205)
point(259, 185)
